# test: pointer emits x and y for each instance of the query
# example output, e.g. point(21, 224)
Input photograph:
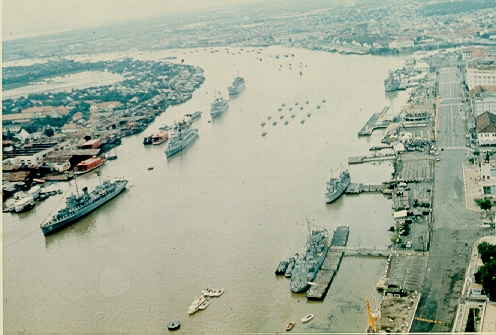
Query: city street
point(453, 228)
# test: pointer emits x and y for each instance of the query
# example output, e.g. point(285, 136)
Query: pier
point(330, 266)
point(354, 188)
point(325, 276)
point(372, 158)
point(376, 121)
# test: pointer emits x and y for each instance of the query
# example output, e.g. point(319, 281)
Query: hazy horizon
point(29, 18)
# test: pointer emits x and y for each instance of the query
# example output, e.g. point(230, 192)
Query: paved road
point(452, 125)
point(453, 229)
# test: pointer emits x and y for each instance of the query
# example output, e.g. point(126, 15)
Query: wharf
point(354, 188)
point(325, 276)
point(372, 158)
point(330, 265)
point(340, 237)
point(373, 123)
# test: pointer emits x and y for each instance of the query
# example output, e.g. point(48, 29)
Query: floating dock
point(330, 266)
point(325, 276)
point(359, 188)
point(374, 123)
point(373, 158)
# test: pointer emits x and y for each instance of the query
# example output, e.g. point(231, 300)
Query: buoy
point(174, 325)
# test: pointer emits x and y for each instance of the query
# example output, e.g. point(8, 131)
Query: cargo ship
point(78, 206)
point(160, 137)
point(89, 165)
point(336, 186)
point(309, 262)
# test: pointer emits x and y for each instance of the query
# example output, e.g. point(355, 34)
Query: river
point(222, 213)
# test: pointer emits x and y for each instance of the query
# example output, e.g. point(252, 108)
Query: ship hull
point(172, 151)
point(331, 197)
point(52, 228)
point(217, 112)
point(236, 90)
point(308, 264)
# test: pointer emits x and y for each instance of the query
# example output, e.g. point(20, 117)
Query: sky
point(23, 18)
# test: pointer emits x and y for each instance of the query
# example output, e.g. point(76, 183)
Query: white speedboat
point(212, 292)
point(307, 318)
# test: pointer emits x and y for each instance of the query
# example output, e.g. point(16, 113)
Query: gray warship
point(309, 262)
point(218, 106)
point(336, 186)
point(237, 86)
point(78, 206)
point(181, 137)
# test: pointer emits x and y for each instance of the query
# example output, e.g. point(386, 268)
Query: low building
point(89, 164)
point(486, 128)
point(484, 101)
point(401, 43)
point(92, 144)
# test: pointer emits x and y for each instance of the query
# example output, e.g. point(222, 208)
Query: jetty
point(354, 188)
point(372, 158)
point(330, 266)
point(376, 121)
point(325, 276)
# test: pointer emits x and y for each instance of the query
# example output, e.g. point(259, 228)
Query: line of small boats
point(292, 115)
point(203, 301)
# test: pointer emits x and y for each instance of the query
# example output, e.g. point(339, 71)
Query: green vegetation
point(487, 273)
point(396, 239)
point(454, 7)
point(484, 204)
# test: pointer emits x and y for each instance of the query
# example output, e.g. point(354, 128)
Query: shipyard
point(334, 177)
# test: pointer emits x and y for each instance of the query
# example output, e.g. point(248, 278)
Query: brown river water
point(222, 213)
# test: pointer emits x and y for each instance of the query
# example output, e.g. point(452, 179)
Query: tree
point(49, 132)
point(484, 204)
point(487, 277)
point(487, 251)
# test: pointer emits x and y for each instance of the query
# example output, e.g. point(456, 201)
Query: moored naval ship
point(392, 82)
point(237, 86)
point(181, 137)
point(218, 106)
point(78, 206)
point(336, 186)
point(308, 264)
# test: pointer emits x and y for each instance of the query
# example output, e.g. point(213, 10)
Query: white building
point(401, 42)
point(481, 72)
point(486, 128)
point(484, 102)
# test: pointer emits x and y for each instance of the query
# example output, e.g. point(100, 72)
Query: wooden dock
point(330, 266)
point(372, 158)
point(325, 276)
point(373, 124)
point(359, 188)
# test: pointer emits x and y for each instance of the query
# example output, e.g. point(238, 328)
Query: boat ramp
point(376, 121)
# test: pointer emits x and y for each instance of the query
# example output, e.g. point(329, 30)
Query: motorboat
point(212, 292)
point(290, 326)
point(307, 318)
